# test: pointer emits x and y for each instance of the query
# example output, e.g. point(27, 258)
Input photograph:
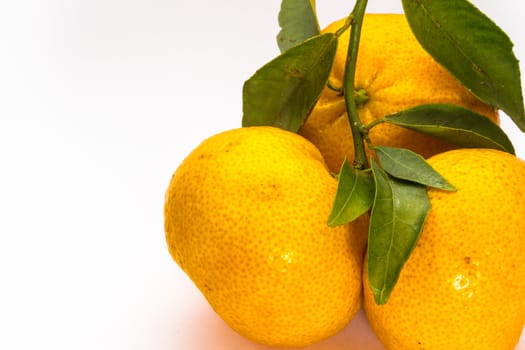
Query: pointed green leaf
point(453, 124)
point(407, 165)
point(355, 194)
point(298, 22)
point(398, 215)
point(472, 48)
point(283, 91)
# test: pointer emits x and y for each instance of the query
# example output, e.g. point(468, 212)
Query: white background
point(100, 101)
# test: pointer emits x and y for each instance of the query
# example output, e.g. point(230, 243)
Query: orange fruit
point(462, 287)
point(396, 73)
point(246, 218)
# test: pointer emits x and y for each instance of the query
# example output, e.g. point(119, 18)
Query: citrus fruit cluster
point(246, 218)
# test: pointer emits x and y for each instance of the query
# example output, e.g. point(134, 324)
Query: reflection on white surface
point(99, 102)
point(202, 328)
point(356, 336)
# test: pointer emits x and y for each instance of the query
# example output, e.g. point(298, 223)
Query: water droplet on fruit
point(466, 280)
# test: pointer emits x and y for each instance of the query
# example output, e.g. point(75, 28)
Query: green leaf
point(298, 22)
point(398, 215)
point(283, 92)
point(355, 194)
point(453, 124)
point(472, 48)
point(407, 165)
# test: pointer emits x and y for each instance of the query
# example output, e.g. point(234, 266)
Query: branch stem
point(357, 16)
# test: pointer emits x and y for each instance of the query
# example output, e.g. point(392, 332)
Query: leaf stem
point(360, 161)
point(373, 123)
